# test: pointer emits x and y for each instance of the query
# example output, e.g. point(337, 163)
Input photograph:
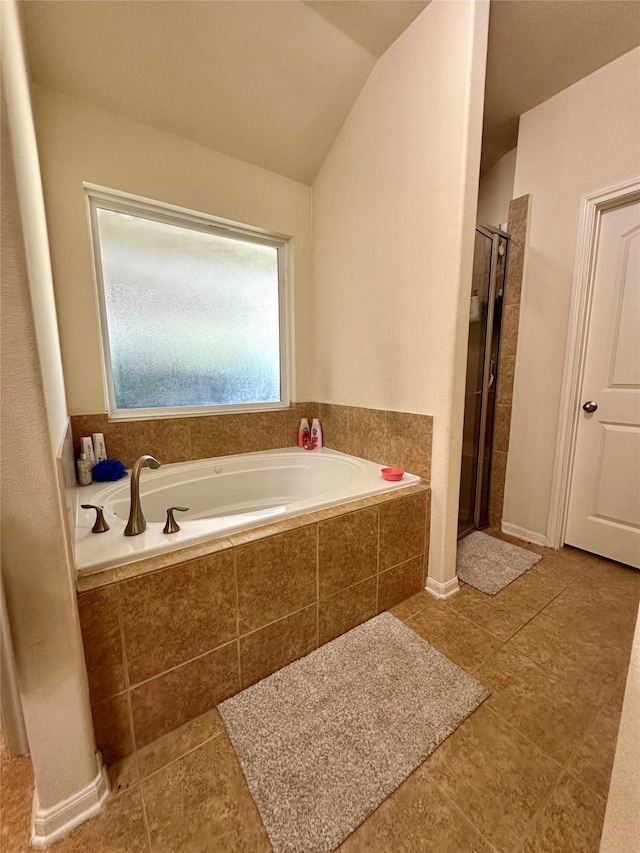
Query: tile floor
point(528, 771)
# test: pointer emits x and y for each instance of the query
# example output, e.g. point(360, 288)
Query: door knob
point(590, 406)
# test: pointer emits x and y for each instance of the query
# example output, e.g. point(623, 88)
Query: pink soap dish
point(392, 473)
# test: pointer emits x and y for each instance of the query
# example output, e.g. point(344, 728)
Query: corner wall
point(496, 191)
point(394, 215)
point(80, 142)
point(585, 139)
point(36, 568)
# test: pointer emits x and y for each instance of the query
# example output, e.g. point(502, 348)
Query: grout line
point(235, 576)
point(181, 664)
point(317, 585)
point(182, 754)
point(458, 809)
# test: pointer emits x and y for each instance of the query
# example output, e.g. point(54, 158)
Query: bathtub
point(224, 495)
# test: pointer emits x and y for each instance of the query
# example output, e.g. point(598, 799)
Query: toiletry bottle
point(84, 470)
point(316, 433)
point(99, 449)
point(86, 447)
point(303, 433)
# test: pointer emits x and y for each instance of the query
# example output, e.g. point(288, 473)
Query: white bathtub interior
point(224, 496)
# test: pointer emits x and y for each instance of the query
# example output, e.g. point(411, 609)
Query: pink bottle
point(316, 433)
point(303, 433)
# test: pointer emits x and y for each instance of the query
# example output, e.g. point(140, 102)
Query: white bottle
point(316, 433)
point(99, 449)
point(86, 447)
point(303, 432)
point(84, 470)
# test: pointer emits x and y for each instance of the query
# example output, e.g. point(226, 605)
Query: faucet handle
point(101, 525)
point(172, 525)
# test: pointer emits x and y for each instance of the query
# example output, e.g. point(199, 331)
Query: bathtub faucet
point(137, 523)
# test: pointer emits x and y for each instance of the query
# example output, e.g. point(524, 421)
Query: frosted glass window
point(192, 315)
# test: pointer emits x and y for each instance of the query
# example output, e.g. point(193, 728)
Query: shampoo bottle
point(84, 470)
point(86, 447)
point(316, 433)
point(99, 449)
point(303, 433)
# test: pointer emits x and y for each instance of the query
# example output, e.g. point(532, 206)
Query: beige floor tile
point(177, 743)
point(537, 703)
point(542, 583)
point(411, 606)
point(462, 641)
point(612, 614)
point(201, 804)
point(583, 658)
point(496, 777)
point(570, 822)
point(417, 817)
point(502, 614)
point(118, 829)
point(16, 800)
point(593, 761)
point(123, 774)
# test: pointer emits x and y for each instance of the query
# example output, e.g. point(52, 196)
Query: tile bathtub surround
point(517, 228)
point(166, 646)
point(399, 439)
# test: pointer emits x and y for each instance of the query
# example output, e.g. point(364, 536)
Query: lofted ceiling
point(272, 81)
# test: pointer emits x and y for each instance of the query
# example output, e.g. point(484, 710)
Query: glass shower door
point(485, 314)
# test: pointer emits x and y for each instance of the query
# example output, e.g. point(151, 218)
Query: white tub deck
point(224, 495)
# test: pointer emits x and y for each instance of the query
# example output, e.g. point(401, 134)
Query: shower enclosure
point(485, 318)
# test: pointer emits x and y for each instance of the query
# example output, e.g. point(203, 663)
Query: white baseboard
point(442, 590)
point(523, 533)
point(48, 825)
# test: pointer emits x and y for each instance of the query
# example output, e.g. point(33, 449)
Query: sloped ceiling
point(267, 82)
point(272, 81)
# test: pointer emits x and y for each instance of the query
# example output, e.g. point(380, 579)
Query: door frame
point(592, 207)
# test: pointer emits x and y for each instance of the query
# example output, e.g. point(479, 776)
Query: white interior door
point(604, 500)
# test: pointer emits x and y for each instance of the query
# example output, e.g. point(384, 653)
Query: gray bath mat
point(325, 740)
point(489, 564)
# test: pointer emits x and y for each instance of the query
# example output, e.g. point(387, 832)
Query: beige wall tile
point(276, 645)
point(343, 611)
point(509, 333)
point(501, 428)
point(399, 583)
point(112, 726)
point(334, 421)
point(276, 576)
point(176, 614)
point(167, 439)
point(99, 612)
point(347, 550)
point(402, 530)
point(225, 435)
point(176, 697)
point(506, 371)
point(408, 442)
point(366, 433)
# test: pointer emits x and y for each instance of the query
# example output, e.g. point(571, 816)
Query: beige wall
point(394, 211)
point(496, 191)
point(79, 142)
point(36, 568)
point(583, 140)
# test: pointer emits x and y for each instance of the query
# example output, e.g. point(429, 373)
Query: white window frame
point(119, 202)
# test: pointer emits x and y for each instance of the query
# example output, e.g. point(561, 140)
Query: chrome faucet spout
point(137, 522)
